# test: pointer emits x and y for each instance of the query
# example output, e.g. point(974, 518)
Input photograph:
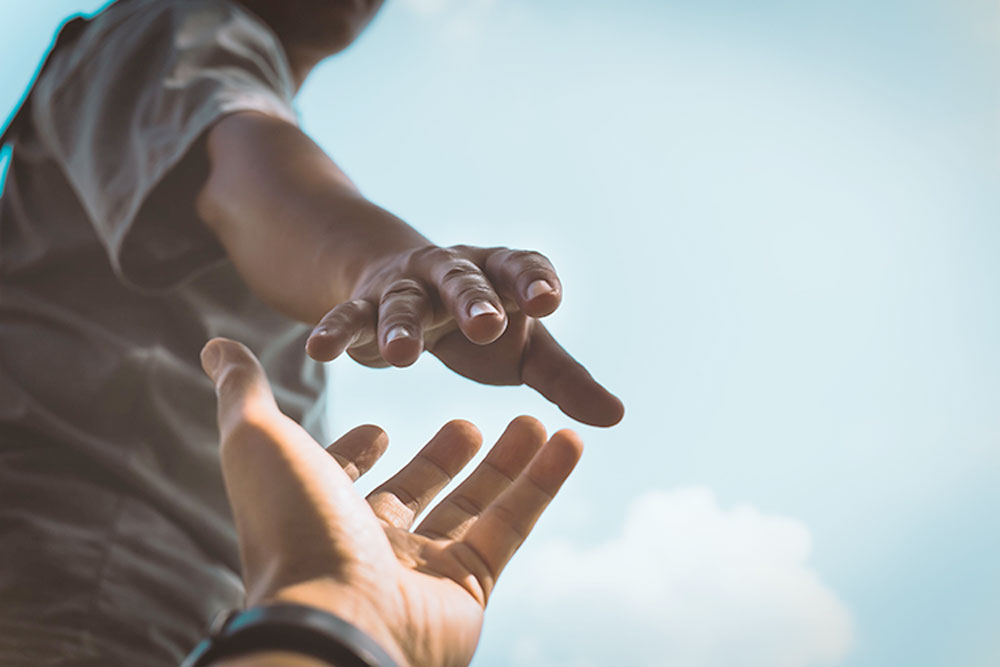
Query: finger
point(405, 495)
point(467, 294)
point(403, 309)
point(514, 450)
point(348, 324)
point(503, 526)
point(357, 450)
point(528, 278)
point(557, 376)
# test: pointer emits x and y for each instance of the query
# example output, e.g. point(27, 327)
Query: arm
point(294, 225)
point(308, 244)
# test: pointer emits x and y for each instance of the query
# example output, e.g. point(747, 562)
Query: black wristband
point(289, 627)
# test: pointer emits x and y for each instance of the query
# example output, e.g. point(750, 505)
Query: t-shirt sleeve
point(125, 103)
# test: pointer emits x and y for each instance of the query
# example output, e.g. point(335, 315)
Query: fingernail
point(319, 331)
point(397, 332)
point(538, 288)
point(210, 357)
point(482, 308)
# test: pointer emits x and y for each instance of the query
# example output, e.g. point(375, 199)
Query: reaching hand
point(477, 310)
point(307, 537)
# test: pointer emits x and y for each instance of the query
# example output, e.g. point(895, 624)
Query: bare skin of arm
point(311, 246)
point(297, 229)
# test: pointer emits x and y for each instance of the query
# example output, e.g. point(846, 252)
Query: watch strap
point(289, 627)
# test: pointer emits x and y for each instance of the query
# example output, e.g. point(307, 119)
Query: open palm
point(306, 536)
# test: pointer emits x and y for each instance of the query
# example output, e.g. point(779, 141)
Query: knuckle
point(339, 323)
point(234, 379)
point(339, 319)
point(357, 312)
point(431, 256)
point(475, 292)
point(511, 262)
point(511, 518)
point(367, 356)
point(410, 314)
point(499, 256)
point(531, 258)
point(467, 505)
point(404, 288)
point(347, 314)
point(462, 270)
point(462, 249)
point(355, 307)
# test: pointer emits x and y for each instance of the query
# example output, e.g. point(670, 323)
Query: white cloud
point(686, 584)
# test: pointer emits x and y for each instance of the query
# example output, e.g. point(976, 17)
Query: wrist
point(365, 240)
point(276, 633)
point(270, 659)
point(342, 601)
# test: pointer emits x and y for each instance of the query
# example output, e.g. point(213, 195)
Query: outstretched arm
point(420, 593)
point(311, 246)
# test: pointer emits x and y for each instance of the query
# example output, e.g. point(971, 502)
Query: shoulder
point(128, 27)
point(172, 43)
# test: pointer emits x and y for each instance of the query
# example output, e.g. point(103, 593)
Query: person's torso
point(108, 442)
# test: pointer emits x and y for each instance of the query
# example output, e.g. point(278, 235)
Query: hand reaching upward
point(307, 537)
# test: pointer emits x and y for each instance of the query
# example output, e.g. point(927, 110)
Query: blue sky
point(776, 223)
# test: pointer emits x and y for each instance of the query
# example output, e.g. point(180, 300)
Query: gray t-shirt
point(116, 544)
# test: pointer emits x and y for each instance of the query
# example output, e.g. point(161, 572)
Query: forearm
point(295, 227)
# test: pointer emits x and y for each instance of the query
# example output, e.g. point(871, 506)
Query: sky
point(776, 225)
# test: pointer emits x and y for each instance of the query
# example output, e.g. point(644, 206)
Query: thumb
point(241, 386)
point(552, 372)
point(257, 439)
point(284, 489)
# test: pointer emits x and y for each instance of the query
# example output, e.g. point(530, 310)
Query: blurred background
point(777, 227)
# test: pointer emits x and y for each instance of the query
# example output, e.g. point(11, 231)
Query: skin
point(309, 244)
point(419, 592)
point(330, 26)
